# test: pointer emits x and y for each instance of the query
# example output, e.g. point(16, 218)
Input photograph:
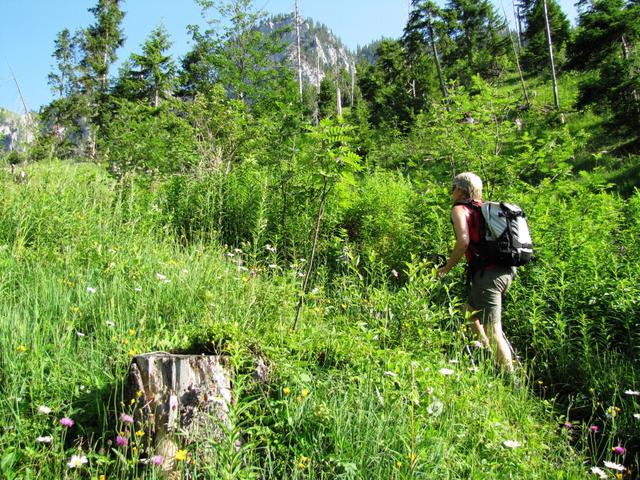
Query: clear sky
point(28, 29)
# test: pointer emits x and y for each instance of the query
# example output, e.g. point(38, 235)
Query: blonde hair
point(470, 184)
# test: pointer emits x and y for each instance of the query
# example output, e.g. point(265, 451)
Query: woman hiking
point(487, 282)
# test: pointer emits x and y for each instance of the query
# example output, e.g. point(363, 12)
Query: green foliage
point(535, 57)
point(149, 76)
point(146, 139)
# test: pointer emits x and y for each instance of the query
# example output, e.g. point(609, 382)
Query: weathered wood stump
point(180, 399)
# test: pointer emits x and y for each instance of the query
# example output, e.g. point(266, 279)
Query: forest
point(223, 204)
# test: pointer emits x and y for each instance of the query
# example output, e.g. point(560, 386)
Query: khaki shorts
point(487, 290)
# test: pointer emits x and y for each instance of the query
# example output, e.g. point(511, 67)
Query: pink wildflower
point(568, 425)
point(594, 428)
point(619, 450)
point(157, 459)
point(124, 418)
point(67, 422)
point(121, 441)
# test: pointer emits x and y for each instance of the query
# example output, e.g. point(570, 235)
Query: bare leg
point(477, 328)
point(503, 350)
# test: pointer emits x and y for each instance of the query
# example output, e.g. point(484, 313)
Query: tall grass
point(377, 382)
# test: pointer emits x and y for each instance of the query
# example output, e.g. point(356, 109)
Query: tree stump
point(179, 399)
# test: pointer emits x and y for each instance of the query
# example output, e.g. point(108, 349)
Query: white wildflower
point(91, 290)
point(636, 416)
point(634, 393)
point(80, 334)
point(511, 443)
point(389, 373)
point(77, 461)
point(44, 439)
point(446, 371)
point(44, 409)
point(614, 466)
point(599, 472)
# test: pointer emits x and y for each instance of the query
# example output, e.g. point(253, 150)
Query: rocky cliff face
point(15, 131)
point(320, 50)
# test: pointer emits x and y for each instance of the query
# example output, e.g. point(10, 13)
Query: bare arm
point(458, 215)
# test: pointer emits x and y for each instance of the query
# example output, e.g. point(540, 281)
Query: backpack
point(504, 237)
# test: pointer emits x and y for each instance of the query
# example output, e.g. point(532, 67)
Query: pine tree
point(536, 54)
point(606, 45)
point(100, 43)
point(150, 75)
point(64, 81)
point(480, 39)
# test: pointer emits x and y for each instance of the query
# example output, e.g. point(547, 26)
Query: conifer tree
point(480, 39)
point(64, 80)
point(151, 74)
point(535, 57)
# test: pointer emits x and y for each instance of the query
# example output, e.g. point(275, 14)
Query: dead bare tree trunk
point(516, 53)
point(179, 399)
point(556, 99)
point(298, 51)
point(437, 58)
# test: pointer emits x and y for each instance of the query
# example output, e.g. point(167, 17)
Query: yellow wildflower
point(22, 348)
point(139, 434)
point(102, 477)
point(131, 332)
point(138, 393)
point(134, 450)
point(399, 464)
point(132, 352)
point(286, 390)
point(304, 393)
point(181, 455)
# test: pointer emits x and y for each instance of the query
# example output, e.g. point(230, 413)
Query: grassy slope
point(373, 410)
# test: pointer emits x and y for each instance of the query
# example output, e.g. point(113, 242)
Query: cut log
point(179, 399)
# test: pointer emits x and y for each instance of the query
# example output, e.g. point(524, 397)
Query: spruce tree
point(535, 57)
point(149, 76)
point(63, 80)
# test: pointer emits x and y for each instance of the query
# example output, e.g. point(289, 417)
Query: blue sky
point(28, 29)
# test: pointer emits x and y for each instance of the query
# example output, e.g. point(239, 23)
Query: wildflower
point(181, 455)
point(80, 334)
point(636, 416)
point(304, 393)
point(446, 371)
point(269, 248)
point(612, 411)
point(110, 323)
point(618, 450)
point(390, 374)
point(139, 434)
point(121, 441)
point(44, 409)
point(102, 477)
point(511, 443)
point(132, 352)
point(21, 348)
point(394, 273)
point(139, 394)
point(131, 332)
point(67, 422)
point(137, 289)
point(568, 425)
point(412, 457)
point(161, 277)
point(134, 450)
point(44, 439)
point(614, 466)
point(91, 290)
point(594, 428)
point(399, 464)
point(157, 459)
point(599, 472)
point(272, 266)
point(286, 390)
point(632, 393)
point(77, 461)
point(124, 418)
